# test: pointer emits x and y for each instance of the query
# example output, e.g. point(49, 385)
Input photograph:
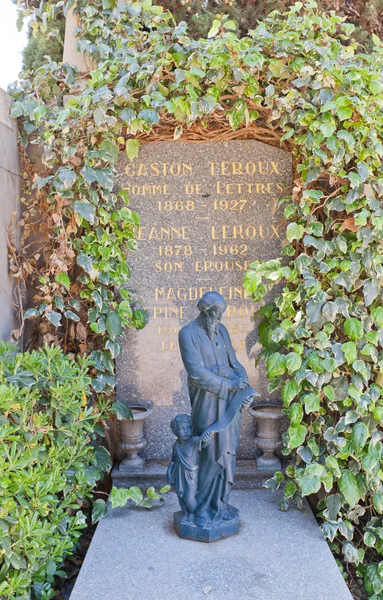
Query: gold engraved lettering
point(156, 169)
point(142, 170)
point(193, 189)
point(212, 169)
point(167, 330)
point(147, 190)
point(229, 204)
point(164, 233)
point(178, 205)
point(233, 249)
point(176, 250)
point(168, 346)
point(241, 232)
point(168, 312)
point(194, 293)
point(169, 267)
point(241, 312)
point(220, 266)
point(227, 169)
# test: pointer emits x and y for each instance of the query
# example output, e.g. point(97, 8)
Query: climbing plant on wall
point(298, 81)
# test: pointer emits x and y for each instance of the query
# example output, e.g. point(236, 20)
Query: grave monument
point(207, 211)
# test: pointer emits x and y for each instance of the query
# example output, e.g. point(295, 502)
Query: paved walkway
point(136, 555)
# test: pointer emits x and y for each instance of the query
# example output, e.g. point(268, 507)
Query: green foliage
point(322, 337)
point(300, 73)
point(47, 465)
point(122, 496)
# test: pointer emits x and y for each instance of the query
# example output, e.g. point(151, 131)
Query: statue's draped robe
point(205, 361)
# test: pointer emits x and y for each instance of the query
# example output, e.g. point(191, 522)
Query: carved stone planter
point(132, 439)
point(268, 418)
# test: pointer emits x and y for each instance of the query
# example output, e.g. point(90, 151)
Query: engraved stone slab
point(207, 211)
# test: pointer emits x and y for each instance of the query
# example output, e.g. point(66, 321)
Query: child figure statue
point(182, 473)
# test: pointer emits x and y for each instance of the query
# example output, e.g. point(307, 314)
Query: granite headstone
point(207, 211)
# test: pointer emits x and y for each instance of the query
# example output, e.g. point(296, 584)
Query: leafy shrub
point(323, 336)
point(47, 465)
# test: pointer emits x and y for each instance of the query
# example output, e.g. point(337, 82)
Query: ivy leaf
point(31, 312)
point(63, 279)
point(375, 86)
point(297, 435)
point(69, 314)
point(333, 504)
point(294, 231)
point(329, 530)
point(348, 485)
point(128, 115)
point(136, 494)
point(153, 495)
point(377, 316)
point(67, 177)
point(312, 402)
point(54, 317)
point(293, 362)
point(289, 391)
point(105, 178)
point(359, 436)
point(369, 539)
point(350, 553)
point(344, 113)
point(275, 365)
point(89, 174)
point(353, 328)
point(274, 482)
point(85, 262)
point(140, 318)
point(377, 500)
point(349, 351)
point(370, 290)
point(132, 147)
point(309, 484)
point(113, 325)
point(100, 510)
point(122, 410)
point(86, 209)
point(119, 497)
point(109, 151)
point(149, 115)
point(104, 461)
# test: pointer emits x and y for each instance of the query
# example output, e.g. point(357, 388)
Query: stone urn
point(268, 418)
point(132, 440)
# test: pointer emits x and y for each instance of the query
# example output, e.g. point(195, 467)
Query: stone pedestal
point(247, 477)
point(218, 531)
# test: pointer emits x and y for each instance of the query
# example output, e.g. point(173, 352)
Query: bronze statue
point(219, 389)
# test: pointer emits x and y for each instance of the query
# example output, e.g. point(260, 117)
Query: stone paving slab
point(276, 556)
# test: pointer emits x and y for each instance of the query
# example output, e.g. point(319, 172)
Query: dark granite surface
point(207, 211)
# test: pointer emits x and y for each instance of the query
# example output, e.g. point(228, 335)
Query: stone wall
point(10, 186)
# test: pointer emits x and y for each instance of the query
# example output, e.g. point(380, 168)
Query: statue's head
point(181, 426)
point(211, 305)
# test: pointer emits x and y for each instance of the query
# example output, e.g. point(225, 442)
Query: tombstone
point(207, 211)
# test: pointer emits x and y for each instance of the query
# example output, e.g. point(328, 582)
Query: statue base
point(210, 533)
